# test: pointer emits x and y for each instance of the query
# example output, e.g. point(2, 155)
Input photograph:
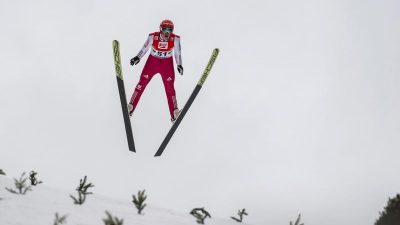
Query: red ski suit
point(159, 61)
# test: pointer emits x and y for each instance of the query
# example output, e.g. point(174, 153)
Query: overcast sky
point(299, 114)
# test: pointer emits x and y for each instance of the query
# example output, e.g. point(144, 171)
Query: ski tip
point(215, 52)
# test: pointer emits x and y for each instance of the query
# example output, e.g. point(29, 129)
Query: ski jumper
point(159, 61)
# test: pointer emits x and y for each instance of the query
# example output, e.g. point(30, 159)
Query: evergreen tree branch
point(139, 201)
point(60, 220)
point(110, 220)
point(21, 187)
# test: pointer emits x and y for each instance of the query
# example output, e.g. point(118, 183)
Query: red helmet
point(166, 24)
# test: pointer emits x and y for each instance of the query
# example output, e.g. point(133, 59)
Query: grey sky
point(300, 112)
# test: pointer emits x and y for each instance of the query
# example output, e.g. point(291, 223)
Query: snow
point(40, 205)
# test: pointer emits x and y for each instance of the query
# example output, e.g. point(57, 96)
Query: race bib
point(161, 54)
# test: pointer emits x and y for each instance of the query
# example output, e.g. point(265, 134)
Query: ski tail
point(189, 102)
point(122, 96)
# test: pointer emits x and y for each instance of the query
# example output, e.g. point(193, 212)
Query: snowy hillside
point(40, 205)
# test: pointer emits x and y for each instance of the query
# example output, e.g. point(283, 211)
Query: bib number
point(161, 54)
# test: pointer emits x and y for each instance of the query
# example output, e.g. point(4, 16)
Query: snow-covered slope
point(40, 205)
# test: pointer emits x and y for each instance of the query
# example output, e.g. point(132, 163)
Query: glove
point(135, 60)
point(180, 69)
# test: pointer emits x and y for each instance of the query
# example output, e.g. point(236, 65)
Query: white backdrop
point(299, 114)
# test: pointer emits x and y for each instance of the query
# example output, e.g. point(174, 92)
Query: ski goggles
point(167, 29)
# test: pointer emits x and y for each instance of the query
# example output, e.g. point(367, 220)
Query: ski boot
point(177, 112)
point(130, 109)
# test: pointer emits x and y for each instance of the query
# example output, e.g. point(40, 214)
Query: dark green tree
point(110, 220)
point(60, 219)
point(82, 190)
point(20, 185)
point(200, 214)
point(297, 221)
point(391, 213)
point(2, 173)
point(33, 179)
point(139, 201)
point(241, 213)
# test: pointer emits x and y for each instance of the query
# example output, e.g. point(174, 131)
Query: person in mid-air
point(162, 44)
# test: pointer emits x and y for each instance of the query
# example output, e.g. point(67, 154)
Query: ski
point(189, 102)
point(122, 96)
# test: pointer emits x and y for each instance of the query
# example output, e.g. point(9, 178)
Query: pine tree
point(297, 221)
point(200, 214)
point(82, 190)
point(241, 213)
point(20, 185)
point(139, 201)
point(60, 220)
point(391, 213)
point(32, 178)
point(2, 173)
point(110, 220)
